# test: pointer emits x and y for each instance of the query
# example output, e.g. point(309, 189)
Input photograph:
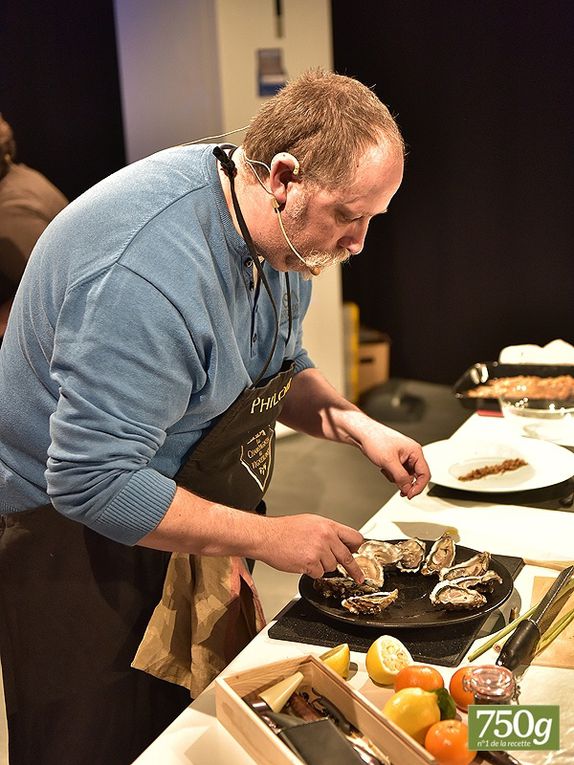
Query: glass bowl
point(547, 419)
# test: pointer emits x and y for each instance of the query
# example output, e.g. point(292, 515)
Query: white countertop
point(197, 737)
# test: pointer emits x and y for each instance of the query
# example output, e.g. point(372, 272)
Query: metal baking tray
point(481, 373)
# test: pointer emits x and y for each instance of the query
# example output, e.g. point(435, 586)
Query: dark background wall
point(478, 249)
point(59, 89)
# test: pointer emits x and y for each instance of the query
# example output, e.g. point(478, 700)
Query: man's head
point(330, 155)
point(7, 146)
point(327, 121)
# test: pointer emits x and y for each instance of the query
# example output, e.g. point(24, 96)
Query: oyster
point(412, 555)
point(484, 583)
point(452, 596)
point(371, 567)
point(370, 604)
point(386, 552)
point(441, 555)
point(342, 586)
point(475, 566)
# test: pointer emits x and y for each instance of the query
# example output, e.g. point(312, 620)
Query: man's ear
point(284, 170)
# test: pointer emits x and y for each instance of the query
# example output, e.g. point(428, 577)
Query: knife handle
point(520, 647)
point(498, 758)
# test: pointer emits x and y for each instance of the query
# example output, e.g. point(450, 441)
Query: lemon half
point(385, 658)
point(338, 659)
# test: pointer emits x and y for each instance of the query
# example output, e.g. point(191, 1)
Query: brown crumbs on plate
point(501, 467)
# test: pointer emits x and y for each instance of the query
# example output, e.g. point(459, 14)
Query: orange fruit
point(419, 676)
point(461, 696)
point(447, 741)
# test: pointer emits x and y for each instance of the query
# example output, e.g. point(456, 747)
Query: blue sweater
point(134, 328)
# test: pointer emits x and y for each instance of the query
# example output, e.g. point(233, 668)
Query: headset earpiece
point(284, 156)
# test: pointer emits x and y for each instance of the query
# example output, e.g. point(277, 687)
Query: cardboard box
point(265, 747)
point(374, 363)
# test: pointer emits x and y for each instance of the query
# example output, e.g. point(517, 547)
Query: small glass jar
point(491, 684)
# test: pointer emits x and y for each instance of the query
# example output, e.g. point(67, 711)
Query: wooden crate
point(265, 747)
point(374, 364)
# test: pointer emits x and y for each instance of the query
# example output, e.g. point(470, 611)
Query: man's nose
point(354, 238)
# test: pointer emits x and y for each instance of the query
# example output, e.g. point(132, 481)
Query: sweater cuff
point(138, 508)
point(303, 362)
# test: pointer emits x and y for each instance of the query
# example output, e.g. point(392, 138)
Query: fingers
point(420, 476)
point(339, 550)
point(352, 568)
point(411, 476)
point(351, 538)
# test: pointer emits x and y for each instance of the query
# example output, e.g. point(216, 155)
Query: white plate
point(548, 464)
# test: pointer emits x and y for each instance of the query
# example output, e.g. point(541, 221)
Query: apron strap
point(230, 170)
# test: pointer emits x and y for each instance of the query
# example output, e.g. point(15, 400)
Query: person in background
point(154, 342)
point(28, 202)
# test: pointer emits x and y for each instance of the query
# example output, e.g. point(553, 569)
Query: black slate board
point(301, 623)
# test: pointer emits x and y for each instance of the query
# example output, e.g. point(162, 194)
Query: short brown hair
point(324, 119)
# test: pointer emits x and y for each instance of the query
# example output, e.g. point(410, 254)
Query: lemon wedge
point(385, 658)
point(338, 659)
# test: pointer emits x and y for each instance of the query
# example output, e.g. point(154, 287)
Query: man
point(154, 341)
point(28, 202)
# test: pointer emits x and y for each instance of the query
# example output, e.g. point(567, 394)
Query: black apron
point(74, 604)
point(233, 462)
point(209, 609)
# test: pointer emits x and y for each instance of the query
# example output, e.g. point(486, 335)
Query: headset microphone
point(285, 157)
point(315, 270)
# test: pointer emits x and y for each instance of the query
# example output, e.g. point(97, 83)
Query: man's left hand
point(399, 458)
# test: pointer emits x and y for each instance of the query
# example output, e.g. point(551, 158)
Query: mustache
point(325, 258)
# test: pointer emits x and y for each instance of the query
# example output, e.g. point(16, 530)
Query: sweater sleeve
point(126, 366)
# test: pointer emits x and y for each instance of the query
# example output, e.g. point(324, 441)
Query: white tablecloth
point(197, 737)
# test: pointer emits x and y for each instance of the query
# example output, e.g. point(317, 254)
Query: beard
point(313, 257)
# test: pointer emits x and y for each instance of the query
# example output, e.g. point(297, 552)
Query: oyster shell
point(342, 586)
point(412, 555)
point(385, 552)
point(371, 567)
point(441, 555)
point(475, 566)
point(370, 604)
point(484, 583)
point(452, 596)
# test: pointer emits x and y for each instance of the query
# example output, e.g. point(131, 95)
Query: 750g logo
point(513, 727)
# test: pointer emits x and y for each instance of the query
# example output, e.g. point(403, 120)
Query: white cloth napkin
point(555, 352)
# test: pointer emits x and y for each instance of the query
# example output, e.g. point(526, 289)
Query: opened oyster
point(387, 553)
point(370, 604)
point(452, 596)
point(441, 555)
point(484, 583)
point(475, 566)
point(412, 555)
point(371, 567)
point(342, 587)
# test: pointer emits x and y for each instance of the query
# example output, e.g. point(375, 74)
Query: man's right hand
point(301, 544)
point(309, 544)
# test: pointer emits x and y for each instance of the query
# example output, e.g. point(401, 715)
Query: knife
point(520, 647)
point(498, 758)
